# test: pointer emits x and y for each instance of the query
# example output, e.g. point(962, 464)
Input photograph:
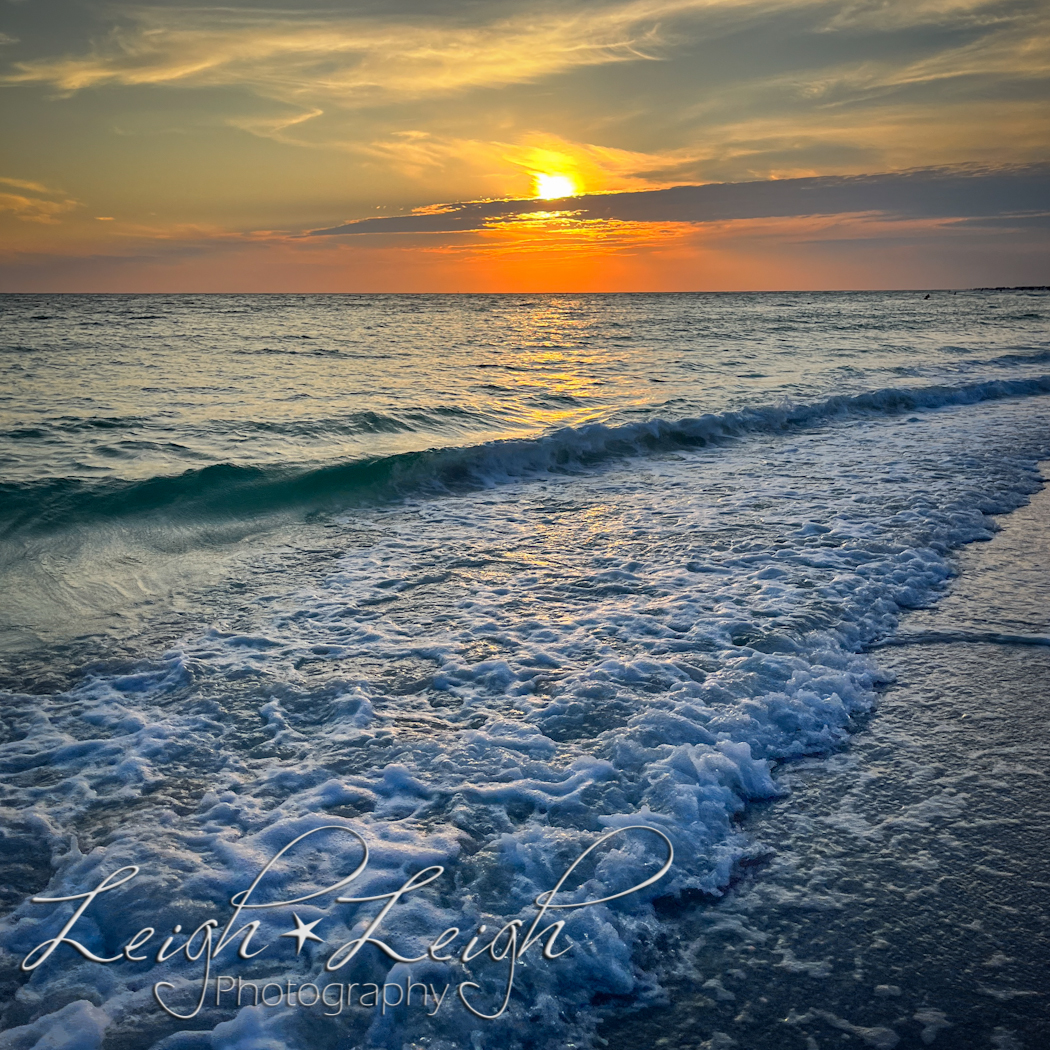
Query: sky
point(553, 145)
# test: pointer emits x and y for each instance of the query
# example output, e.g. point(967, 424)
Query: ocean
point(524, 660)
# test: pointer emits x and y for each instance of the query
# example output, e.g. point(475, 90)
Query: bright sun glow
point(554, 187)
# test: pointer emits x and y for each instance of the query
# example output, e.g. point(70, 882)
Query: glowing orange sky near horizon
point(158, 146)
point(555, 255)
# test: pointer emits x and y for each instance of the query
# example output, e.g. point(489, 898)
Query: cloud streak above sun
point(262, 123)
point(356, 62)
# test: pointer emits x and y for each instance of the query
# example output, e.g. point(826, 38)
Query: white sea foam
point(488, 682)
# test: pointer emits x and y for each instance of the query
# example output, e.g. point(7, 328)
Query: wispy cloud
point(748, 87)
point(23, 184)
point(420, 154)
point(36, 203)
point(361, 61)
point(682, 121)
point(355, 61)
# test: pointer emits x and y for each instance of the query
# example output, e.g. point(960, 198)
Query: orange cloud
point(558, 251)
point(37, 204)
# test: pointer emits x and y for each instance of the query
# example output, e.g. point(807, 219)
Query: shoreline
point(901, 898)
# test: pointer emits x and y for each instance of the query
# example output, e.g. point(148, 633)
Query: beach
point(904, 899)
point(532, 671)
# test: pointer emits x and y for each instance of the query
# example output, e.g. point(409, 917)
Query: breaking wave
point(225, 490)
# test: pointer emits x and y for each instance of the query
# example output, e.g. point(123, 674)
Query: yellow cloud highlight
point(353, 61)
point(361, 61)
point(25, 184)
point(563, 233)
point(473, 169)
point(36, 204)
point(312, 65)
point(591, 168)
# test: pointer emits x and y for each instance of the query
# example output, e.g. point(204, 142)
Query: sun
point(554, 187)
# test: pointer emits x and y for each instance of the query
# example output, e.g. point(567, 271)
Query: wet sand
point(905, 898)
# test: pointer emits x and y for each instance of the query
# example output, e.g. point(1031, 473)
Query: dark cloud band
point(925, 194)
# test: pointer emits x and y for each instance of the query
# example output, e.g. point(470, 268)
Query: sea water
point(474, 582)
point(903, 897)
